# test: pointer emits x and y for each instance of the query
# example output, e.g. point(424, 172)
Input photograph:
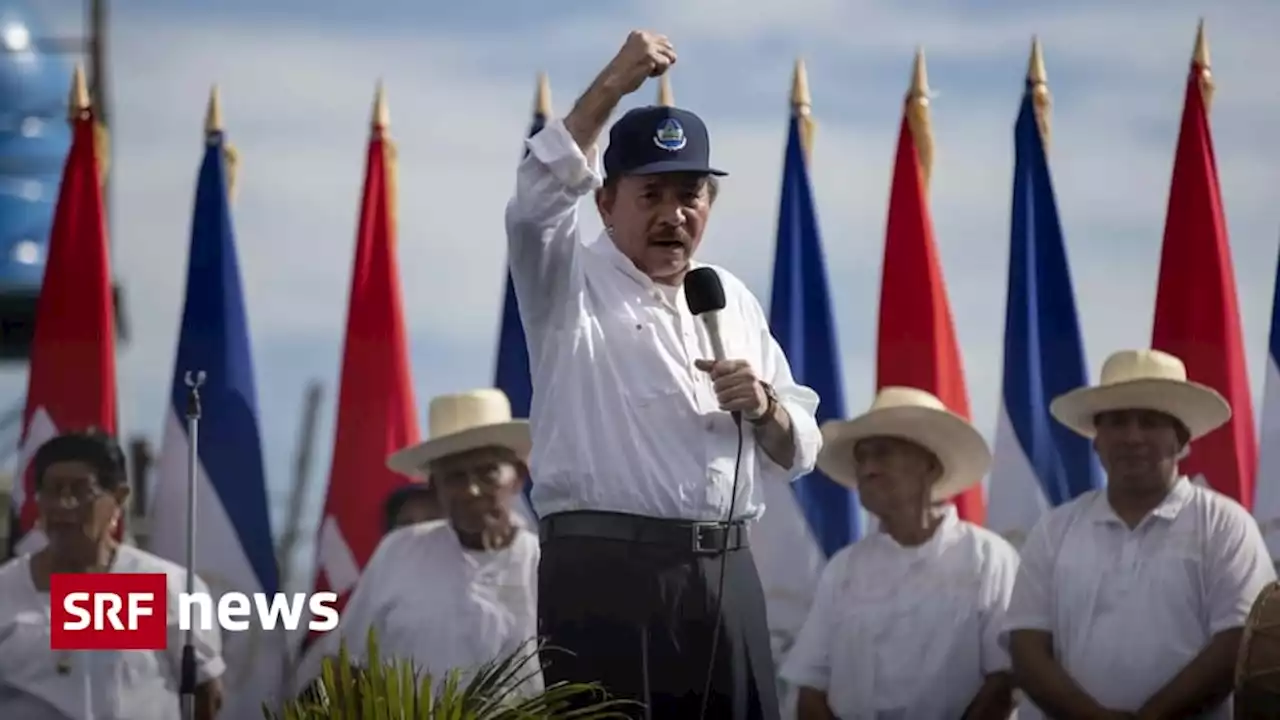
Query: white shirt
point(621, 419)
point(101, 684)
point(1128, 609)
point(907, 633)
point(445, 607)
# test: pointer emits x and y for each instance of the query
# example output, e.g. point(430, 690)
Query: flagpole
point(188, 688)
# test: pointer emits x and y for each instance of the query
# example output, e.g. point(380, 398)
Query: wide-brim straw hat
point(1143, 380)
point(462, 422)
point(916, 416)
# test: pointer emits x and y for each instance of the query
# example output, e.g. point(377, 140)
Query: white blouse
point(907, 633)
point(99, 684)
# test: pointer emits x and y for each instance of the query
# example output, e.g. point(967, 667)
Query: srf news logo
point(130, 611)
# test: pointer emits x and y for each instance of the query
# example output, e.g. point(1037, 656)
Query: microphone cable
point(724, 561)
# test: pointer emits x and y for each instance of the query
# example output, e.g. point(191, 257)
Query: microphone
point(704, 293)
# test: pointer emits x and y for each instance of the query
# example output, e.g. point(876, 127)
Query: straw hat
point(462, 422)
point(917, 416)
point(1143, 380)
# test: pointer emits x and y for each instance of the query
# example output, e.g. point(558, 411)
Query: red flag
point(72, 382)
point(917, 344)
point(1197, 314)
point(376, 409)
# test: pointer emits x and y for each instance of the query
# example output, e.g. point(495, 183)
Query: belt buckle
point(699, 530)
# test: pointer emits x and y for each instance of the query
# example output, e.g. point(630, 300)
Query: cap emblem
point(669, 135)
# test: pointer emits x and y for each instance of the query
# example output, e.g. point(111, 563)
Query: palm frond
point(394, 689)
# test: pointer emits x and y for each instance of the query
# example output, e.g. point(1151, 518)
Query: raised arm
point(559, 169)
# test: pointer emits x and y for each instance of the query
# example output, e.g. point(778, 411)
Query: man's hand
point(643, 55)
point(736, 387)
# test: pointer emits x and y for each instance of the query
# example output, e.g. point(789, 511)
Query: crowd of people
point(654, 427)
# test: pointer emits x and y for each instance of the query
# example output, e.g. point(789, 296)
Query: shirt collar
point(1177, 498)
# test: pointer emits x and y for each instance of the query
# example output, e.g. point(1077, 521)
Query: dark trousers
point(638, 619)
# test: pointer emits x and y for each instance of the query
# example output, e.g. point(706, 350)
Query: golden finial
point(381, 115)
point(213, 115)
point(917, 111)
point(665, 97)
point(542, 100)
point(213, 126)
point(802, 106)
point(1200, 65)
point(78, 102)
point(1039, 87)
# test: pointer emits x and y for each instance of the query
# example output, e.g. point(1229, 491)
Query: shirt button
point(711, 425)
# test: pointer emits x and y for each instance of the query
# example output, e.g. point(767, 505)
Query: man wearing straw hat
point(905, 624)
point(649, 455)
point(1130, 601)
point(460, 592)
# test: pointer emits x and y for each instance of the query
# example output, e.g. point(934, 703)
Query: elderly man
point(456, 594)
point(643, 478)
point(81, 486)
point(906, 622)
point(1130, 601)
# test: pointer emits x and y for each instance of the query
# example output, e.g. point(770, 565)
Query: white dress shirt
point(443, 606)
point(907, 633)
point(99, 684)
point(1128, 609)
point(622, 421)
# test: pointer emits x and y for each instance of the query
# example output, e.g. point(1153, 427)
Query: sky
point(297, 81)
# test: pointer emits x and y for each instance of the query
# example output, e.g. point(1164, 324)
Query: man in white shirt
point(458, 593)
point(643, 480)
point(906, 622)
point(1130, 601)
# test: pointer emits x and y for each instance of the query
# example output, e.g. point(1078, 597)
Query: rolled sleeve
point(801, 404)
point(1240, 569)
point(556, 150)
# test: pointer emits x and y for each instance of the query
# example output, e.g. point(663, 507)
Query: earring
point(608, 230)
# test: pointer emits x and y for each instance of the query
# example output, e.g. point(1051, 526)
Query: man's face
point(475, 488)
point(1138, 448)
point(75, 510)
point(894, 475)
point(657, 220)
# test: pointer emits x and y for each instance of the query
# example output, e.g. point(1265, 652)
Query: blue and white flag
point(1038, 463)
point(234, 546)
point(1266, 505)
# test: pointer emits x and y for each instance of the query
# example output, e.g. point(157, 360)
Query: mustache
point(671, 234)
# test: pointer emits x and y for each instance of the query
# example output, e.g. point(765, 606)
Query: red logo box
point(108, 611)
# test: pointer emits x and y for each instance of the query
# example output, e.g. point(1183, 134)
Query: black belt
point(699, 538)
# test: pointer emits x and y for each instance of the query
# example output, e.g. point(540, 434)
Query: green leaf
point(395, 689)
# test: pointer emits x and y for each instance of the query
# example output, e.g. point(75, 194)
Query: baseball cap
point(658, 139)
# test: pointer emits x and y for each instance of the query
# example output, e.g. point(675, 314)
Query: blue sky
point(297, 80)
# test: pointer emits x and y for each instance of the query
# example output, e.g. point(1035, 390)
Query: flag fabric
point(234, 546)
point(917, 344)
point(1267, 506)
point(1038, 463)
point(1197, 315)
point(71, 385)
point(376, 409)
point(801, 319)
point(511, 374)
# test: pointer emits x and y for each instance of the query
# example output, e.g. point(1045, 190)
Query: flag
point(1038, 463)
point(917, 344)
point(1197, 315)
point(376, 410)
point(801, 319)
point(234, 546)
point(512, 372)
point(813, 517)
point(71, 385)
point(1267, 507)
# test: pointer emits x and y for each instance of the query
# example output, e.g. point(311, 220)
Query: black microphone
point(705, 295)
